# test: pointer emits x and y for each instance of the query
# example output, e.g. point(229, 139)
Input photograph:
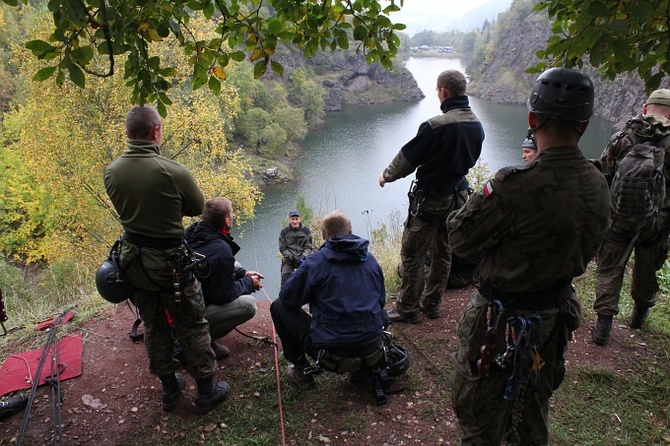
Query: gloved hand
point(295, 262)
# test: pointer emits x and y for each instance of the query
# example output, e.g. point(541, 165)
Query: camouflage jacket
point(535, 226)
point(637, 129)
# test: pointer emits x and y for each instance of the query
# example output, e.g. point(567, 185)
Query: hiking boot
point(297, 376)
point(411, 318)
point(638, 317)
point(210, 395)
point(221, 351)
point(601, 332)
point(172, 386)
point(431, 314)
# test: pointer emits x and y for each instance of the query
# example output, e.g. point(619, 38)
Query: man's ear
point(532, 120)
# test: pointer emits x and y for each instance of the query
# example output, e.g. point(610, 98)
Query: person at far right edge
point(647, 236)
point(536, 228)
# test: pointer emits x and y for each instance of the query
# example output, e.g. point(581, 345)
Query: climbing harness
point(416, 199)
point(523, 340)
point(493, 314)
point(51, 347)
point(183, 261)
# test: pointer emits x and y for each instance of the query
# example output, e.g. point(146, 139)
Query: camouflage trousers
point(485, 416)
point(148, 270)
point(419, 237)
point(649, 258)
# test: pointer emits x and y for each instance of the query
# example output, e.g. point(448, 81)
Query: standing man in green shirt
point(151, 194)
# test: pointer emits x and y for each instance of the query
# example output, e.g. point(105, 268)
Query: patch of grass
point(602, 407)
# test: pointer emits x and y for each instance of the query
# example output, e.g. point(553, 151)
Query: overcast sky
point(428, 14)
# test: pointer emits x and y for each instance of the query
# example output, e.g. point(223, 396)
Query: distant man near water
point(536, 228)
point(151, 195)
point(295, 244)
point(444, 149)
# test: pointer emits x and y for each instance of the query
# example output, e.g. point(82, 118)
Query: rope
point(29, 377)
point(51, 340)
point(274, 343)
point(439, 370)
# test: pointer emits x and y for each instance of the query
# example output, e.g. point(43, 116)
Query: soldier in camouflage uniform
point(151, 195)
point(442, 152)
point(650, 253)
point(535, 227)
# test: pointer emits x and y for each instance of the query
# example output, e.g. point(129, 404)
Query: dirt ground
point(116, 390)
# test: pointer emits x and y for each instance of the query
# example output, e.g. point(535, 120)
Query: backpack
point(638, 191)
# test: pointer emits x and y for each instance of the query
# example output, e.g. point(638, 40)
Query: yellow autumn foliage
point(64, 138)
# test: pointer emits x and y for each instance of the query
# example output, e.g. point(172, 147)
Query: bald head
point(141, 122)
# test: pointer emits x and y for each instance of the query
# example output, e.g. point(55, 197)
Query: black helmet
point(111, 284)
point(562, 92)
point(397, 360)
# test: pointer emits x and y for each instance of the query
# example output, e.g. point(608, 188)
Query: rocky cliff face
point(504, 79)
point(349, 80)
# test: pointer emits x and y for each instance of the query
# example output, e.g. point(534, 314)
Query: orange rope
point(276, 350)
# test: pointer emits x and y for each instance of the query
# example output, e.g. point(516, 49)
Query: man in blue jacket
point(226, 287)
point(344, 286)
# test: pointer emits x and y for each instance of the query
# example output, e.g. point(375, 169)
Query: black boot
point(210, 395)
point(639, 316)
point(173, 384)
point(601, 332)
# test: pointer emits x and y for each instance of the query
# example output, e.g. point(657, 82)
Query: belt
point(358, 349)
point(161, 244)
point(539, 300)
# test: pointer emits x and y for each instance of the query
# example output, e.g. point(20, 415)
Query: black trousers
point(292, 326)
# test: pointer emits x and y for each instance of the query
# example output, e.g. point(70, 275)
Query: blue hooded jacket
point(344, 285)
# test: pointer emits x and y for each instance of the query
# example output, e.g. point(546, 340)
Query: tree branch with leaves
point(89, 35)
point(613, 36)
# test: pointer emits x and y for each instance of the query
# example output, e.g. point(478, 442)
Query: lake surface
point(341, 162)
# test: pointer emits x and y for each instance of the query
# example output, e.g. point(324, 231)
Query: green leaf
point(39, 47)
point(238, 56)
point(208, 11)
point(214, 85)
point(343, 42)
point(44, 73)
point(76, 75)
point(161, 109)
point(360, 32)
point(277, 68)
point(260, 68)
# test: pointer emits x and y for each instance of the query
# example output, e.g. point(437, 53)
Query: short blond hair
point(334, 224)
